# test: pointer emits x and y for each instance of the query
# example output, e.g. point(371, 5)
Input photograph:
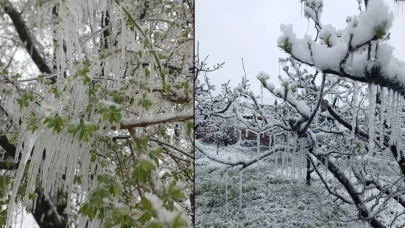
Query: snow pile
point(376, 16)
point(346, 51)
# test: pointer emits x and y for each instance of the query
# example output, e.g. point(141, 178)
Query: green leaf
point(143, 139)
point(156, 152)
point(139, 174)
point(87, 80)
point(90, 128)
point(145, 217)
point(15, 77)
point(55, 91)
point(101, 213)
point(156, 161)
point(179, 222)
point(147, 165)
point(147, 72)
point(146, 204)
point(117, 117)
point(81, 134)
point(93, 157)
point(117, 190)
point(83, 209)
point(32, 196)
point(106, 115)
point(73, 129)
point(162, 56)
point(175, 192)
point(155, 224)
point(77, 180)
point(58, 124)
point(380, 30)
point(101, 110)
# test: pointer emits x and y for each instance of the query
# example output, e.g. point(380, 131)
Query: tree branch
point(25, 37)
point(163, 118)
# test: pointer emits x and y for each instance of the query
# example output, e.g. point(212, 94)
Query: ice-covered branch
point(7, 146)
point(316, 108)
point(258, 129)
point(351, 190)
point(173, 147)
point(243, 163)
point(356, 52)
point(153, 120)
point(25, 37)
point(337, 194)
point(288, 96)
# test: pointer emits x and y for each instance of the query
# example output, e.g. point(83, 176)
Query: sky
point(228, 31)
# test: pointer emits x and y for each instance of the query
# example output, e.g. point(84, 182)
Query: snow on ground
point(269, 198)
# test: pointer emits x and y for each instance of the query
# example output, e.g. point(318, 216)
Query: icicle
point(350, 166)
point(354, 109)
point(392, 117)
point(270, 142)
point(226, 187)
point(293, 154)
point(240, 136)
point(275, 162)
point(286, 152)
point(325, 160)
point(302, 165)
point(234, 126)
point(350, 61)
point(382, 116)
point(240, 188)
point(258, 151)
point(398, 123)
point(282, 162)
point(301, 8)
point(308, 24)
point(371, 111)
point(389, 107)
point(373, 50)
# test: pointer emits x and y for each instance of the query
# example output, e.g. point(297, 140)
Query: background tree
point(97, 129)
point(212, 112)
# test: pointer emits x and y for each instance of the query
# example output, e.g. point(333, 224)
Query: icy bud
point(48, 110)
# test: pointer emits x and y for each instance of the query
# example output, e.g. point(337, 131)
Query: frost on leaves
point(97, 131)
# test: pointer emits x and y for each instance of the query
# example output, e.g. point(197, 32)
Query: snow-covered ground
point(269, 198)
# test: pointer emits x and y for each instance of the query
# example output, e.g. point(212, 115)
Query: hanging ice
point(354, 108)
point(371, 114)
point(240, 188)
point(382, 115)
point(226, 187)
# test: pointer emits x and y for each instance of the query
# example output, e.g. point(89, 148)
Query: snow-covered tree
point(340, 104)
point(214, 120)
point(97, 112)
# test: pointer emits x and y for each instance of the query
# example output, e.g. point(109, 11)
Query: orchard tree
point(342, 104)
point(212, 112)
point(97, 112)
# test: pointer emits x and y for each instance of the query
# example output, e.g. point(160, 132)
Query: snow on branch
point(355, 52)
point(257, 129)
point(243, 163)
